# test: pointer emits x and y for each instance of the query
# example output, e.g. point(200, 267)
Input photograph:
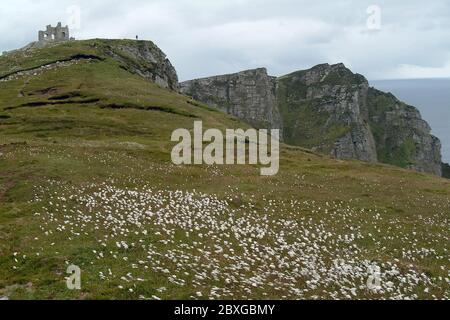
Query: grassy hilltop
point(86, 179)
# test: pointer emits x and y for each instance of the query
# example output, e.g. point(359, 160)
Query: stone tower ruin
point(57, 33)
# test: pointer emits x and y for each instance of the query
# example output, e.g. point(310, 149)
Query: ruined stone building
point(57, 33)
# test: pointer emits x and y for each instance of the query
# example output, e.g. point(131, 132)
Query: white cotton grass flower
point(188, 240)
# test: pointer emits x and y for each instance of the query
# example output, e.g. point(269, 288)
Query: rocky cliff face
point(403, 138)
point(328, 109)
point(446, 170)
point(325, 109)
point(248, 95)
point(144, 58)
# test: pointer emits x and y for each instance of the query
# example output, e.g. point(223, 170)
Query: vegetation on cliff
point(331, 110)
point(86, 179)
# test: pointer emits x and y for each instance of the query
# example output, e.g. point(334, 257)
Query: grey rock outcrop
point(334, 100)
point(329, 109)
point(446, 170)
point(248, 95)
point(403, 137)
point(145, 59)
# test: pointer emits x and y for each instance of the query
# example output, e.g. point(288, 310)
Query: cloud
point(405, 71)
point(204, 38)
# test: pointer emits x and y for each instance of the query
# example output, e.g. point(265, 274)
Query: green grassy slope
point(86, 179)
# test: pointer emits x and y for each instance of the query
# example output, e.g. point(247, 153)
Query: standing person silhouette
point(137, 38)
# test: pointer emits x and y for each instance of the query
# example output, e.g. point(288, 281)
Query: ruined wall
point(58, 33)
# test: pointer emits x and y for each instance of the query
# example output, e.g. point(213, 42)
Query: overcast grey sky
point(208, 37)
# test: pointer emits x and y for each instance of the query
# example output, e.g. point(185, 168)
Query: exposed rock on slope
point(249, 95)
point(403, 138)
point(446, 170)
point(147, 60)
point(329, 109)
point(325, 109)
